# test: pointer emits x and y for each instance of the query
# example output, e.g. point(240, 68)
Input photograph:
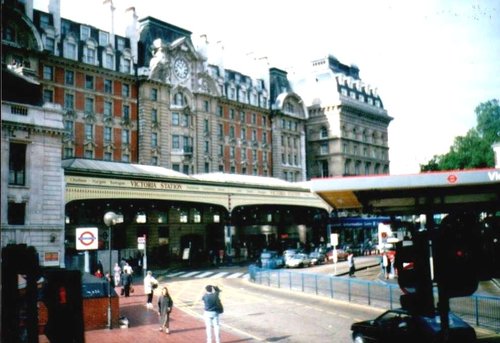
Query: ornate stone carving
point(159, 65)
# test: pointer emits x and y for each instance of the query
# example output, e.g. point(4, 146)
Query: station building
point(150, 97)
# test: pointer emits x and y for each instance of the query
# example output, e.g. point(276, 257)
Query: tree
point(474, 150)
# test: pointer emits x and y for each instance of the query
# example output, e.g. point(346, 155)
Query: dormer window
point(103, 38)
point(120, 44)
point(84, 32)
point(44, 21)
point(125, 64)
point(69, 49)
point(49, 44)
point(89, 54)
point(109, 60)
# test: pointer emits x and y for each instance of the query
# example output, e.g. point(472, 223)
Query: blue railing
point(478, 310)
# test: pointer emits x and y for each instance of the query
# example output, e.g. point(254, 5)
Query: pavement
point(144, 324)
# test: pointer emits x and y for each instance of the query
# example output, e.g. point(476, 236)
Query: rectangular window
point(107, 134)
point(125, 90)
point(88, 154)
point(243, 132)
point(125, 137)
point(48, 73)
point(175, 142)
point(207, 167)
point(220, 130)
point(220, 111)
point(231, 152)
point(69, 50)
point(17, 164)
point(185, 120)
point(232, 113)
point(89, 132)
point(175, 119)
point(126, 112)
point(68, 152)
point(125, 158)
point(69, 77)
point(108, 86)
point(48, 95)
point(185, 169)
point(154, 160)
point(103, 38)
point(120, 44)
point(254, 135)
point(221, 150)
point(108, 106)
point(88, 55)
point(206, 105)
point(154, 94)
point(154, 139)
point(154, 115)
point(49, 44)
point(107, 156)
point(207, 147)
point(89, 105)
point(231, 132)
point(205, 126)
point(264, 137)
point(125, 65)
point(16, 213)
point(89, 82)
point(176, 167)
point(68, 127)
point(44, 21)
point(84, 32)
point(254, 118)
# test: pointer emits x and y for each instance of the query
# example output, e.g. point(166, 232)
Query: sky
point(433, 62)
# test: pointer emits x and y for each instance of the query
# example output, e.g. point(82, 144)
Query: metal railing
point(477, 310)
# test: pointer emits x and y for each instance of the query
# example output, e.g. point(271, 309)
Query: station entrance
point(185, 218)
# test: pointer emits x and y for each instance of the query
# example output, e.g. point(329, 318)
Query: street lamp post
point(109, 220)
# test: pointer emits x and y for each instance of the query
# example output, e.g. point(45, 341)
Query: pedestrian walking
point(117, 271)
point(385, 265)
point(126, 283)
point(350, 263)
point(213, 308)
point(165, 304)
point(150, 284)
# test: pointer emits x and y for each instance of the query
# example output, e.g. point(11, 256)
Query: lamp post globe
point(110, 218)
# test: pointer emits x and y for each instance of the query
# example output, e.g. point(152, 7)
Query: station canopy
point(433, 192)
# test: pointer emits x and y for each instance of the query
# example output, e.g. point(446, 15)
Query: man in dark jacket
point(126, 282)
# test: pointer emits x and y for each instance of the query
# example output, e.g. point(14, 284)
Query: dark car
point(400, 326)
point(317, 257)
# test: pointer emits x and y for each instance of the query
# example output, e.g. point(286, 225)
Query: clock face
point(181, 68)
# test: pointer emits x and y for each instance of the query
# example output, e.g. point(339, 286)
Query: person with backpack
point(212, 309)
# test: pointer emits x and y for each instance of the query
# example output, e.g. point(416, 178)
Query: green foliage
point(474, 149)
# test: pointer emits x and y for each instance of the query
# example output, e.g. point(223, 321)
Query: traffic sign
point(87, 238)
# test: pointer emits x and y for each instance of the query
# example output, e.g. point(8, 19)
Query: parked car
point(341, 255)
point(271, 259)
point(400, 326)
point(317, 257)
point(289, 253)
point(298, 260)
